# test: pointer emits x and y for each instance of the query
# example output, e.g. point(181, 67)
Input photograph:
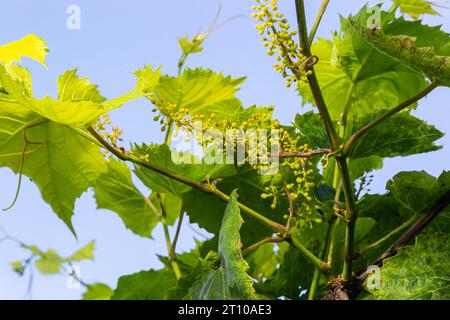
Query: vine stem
point(323, 252)
point(264, 241)
point(312, 78)
point(319, 17)
point(298, 154)
point(361, 132)
point(317, 262)
point(291, 207)
point(168, 137)
point(177, 234)
point(380, 241)
point(351, 212)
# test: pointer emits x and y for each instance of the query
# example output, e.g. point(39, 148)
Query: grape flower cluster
point(291, 63)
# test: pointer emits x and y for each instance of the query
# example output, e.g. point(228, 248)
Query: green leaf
point(417, 191)
point(49, 263)
point(409, 193)
point(230, 281)
point(188, 46)
point(80, 114)
point(417, 272)
point(98, 291)
point(63, 165)
point(415, 8)
point(441, 223)
point(250, 186)
point(85, 253)
point(311, 130)
point(293, 276)
point(262, 262)
point(115, 191)
point(76, 113)
point(18, 267)
point(73, 88)
point(145, 285)
point(162, 156)
point(358, 167)
point(201, 91)
point(194, 267)
point(29, 46)
point(80, 104)
point(400, 135)
point(427, 55)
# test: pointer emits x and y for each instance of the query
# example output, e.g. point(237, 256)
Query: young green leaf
point(230, 281)
point(201, 91)
point(98, 291)
point(145, 285)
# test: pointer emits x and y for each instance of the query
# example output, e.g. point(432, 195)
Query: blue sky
point(116, 38)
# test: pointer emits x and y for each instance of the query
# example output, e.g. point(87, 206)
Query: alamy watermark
point(373, 280)
point(374, 19)
point(257, 147)
point(73, 21)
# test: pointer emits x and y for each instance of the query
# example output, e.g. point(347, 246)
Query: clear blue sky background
point(118, 37)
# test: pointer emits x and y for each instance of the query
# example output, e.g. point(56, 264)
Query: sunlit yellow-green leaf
point(30, 46)
point(416, 8)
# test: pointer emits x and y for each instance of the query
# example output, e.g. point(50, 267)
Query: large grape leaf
point(201, 91)
point(418, 272)
point(115, 191)
point(422, 48)
point(79, 103)
point(63, 165)
point(400, 135)
point(230, 281)
point(417, 190)
point(355, 76)
point(73, 113)
point(408, 193)
point(145, 285)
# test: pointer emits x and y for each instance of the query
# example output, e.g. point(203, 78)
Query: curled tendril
point(22, 159)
